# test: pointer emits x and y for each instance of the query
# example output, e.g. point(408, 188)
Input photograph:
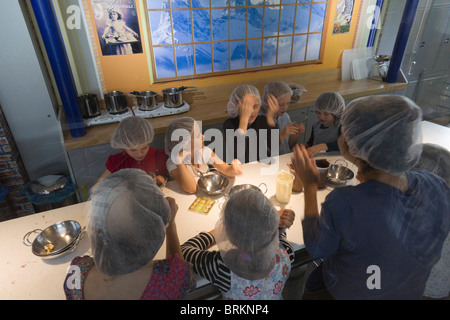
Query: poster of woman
point(117, 26)
point(343, 16)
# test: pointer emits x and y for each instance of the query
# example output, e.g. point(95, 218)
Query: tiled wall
point(13, 175)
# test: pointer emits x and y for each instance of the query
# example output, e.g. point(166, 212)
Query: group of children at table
point(382, 221)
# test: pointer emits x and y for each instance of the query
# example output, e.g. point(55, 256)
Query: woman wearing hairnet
point(188, 156)
point(133, 136)
point(280, 93)
point(436, 159)
point(128, 220)
point(326, 131)
point(248, 135)
point(378, 239)
point(254, 258)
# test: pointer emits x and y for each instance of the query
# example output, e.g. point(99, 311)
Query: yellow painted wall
point(131, 72)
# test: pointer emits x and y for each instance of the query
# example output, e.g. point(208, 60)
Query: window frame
point(261, 67)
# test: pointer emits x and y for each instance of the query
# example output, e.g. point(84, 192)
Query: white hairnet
point(247, 234)
point(131, 132)
point(127, 222)
point(238, 95)
point(384, 131)
point(435, 159)
point(184, 126)
point(331, 102)
point(278, 89)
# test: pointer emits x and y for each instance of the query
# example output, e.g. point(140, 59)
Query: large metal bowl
point(63, 236)
point(339, 174)
point(212, 183)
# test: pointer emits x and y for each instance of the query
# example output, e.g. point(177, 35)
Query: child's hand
point(236, 167)
point(292, 128)
point(316, 149)
point(300, 128)
point(287, 218)
point(246, 107)
point(272, 110)
point(305, 166)
point(159, 180)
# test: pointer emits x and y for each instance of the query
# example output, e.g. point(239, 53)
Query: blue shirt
point(374, 224)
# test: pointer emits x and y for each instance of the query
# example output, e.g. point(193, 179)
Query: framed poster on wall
point(343, 16)
point(117, 26)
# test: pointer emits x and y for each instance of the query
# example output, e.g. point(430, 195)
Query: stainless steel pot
point(88, 105)
point(146, 100)
point(173, 97)
point(116, 102)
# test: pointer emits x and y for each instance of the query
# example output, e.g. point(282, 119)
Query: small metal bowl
point(241, 187)
point(212, 183)
point(62, 236)
point(339, 174)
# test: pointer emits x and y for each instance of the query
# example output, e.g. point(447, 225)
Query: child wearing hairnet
point(133, 136)
point(436, 159)
point(188, 157)
point(254, 258)
point(251, 133)
point(129, 218)
point(378, 239)
point(280, 93)
point(326, 131)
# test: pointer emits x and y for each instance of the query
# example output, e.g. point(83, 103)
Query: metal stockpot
point(116, 102)
point(146, 100)
point(173, 97)
point(88, 105)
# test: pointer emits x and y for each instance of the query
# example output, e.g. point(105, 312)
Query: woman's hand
point(173, 209)
point(305, 166)
point(287, 217)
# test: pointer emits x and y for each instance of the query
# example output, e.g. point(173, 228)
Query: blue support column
point(51, 35)
point(373, 27)
point(402, 39)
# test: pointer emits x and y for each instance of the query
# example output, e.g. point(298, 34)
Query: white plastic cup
point(284, 186)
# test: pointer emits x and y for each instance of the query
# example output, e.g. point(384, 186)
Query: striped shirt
point(209, 264)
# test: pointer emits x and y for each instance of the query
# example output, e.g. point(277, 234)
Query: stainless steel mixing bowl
point(61, 236)
point(212, 183)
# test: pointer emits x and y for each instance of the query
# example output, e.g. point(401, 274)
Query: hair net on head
point(331, 102)
point(247, 234)
point(384, 131)
point(435, 159)
point(186, 126)
point(238, 95)
point(127, 222)
point(278, 89)
point(131, 132)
